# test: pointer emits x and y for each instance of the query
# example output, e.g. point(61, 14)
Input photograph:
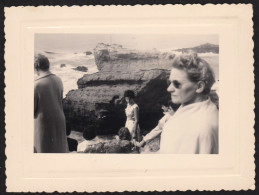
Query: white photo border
point(232, 169)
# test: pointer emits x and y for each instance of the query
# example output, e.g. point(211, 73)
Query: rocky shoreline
point(120, 69)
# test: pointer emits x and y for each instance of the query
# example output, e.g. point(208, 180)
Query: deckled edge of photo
point(9, 119)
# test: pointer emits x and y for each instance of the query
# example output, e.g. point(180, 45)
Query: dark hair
point(196, 68)
point(164, 103)
point(89, 132)
point(129, 93)
point(41, 62)
point(124, 134)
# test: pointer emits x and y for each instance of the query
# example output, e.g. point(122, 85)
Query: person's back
point(49, 88)
point(49, 119)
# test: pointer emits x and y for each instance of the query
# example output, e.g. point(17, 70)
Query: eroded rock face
point(116, 58)
point(120, 69)
point(104, 91)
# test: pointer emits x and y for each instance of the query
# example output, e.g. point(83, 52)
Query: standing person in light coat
point(49, 119)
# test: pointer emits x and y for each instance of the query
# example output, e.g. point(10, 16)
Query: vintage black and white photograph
point(126, 93)
point(117, 98)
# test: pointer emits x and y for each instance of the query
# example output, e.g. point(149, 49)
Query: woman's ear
point(201, 87)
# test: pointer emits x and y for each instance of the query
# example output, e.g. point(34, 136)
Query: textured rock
point(104, 91)
point(116, 58)
point(152, 146)
point(97, 107)
point(113, 146)
point(88, 53)
point(81, 68)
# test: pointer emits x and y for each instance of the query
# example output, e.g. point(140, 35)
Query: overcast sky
point(87, 42)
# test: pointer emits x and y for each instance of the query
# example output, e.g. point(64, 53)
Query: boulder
point(62, 65)
point(102, 94)
point(88, 53)
point(81, 68)
point(116, 58)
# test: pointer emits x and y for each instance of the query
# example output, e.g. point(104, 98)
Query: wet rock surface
point(81, 68)
point(88, 53)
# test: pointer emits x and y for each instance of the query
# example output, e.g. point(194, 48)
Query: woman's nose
point(170, 88)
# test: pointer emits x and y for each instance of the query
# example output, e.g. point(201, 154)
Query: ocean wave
point(62, 65)
point(69, 76)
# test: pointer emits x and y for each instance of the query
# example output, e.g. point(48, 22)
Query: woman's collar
point(196, 103)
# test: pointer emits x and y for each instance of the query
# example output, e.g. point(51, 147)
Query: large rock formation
point(116, 58)
point(103, 91)
point(98, 104)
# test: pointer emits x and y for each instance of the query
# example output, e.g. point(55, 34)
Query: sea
point(63, 64)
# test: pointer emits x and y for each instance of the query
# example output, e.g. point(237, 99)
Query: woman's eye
point(176, 84)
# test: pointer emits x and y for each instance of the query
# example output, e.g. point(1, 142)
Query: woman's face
point(182, 90)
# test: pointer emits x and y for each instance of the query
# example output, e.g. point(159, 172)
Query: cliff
point(205, 48)
point(116, 58)
point(103, 92)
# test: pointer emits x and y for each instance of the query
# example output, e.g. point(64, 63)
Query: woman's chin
point(175, 101)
